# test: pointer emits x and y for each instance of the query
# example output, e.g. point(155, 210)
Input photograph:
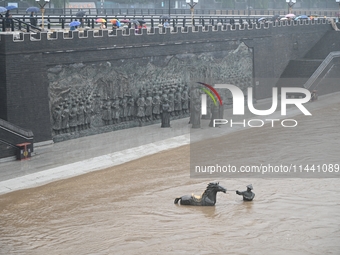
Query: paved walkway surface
point(78, 156)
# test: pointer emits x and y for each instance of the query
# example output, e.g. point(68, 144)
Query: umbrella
point(80, 14)
point(113, 21)
point(3, 9)
point(275, 17)
point(101, 20)
point(11, 7)
point(165, 17)
point(32, 9)
point(141, 21)
point(290, 15)
point(262, 19)
point(74, 23)
point(283, 18)
point(134, 21)
point(125, 21)
point(301, 17)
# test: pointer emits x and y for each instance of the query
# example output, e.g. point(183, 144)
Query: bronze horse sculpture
point(208, 197)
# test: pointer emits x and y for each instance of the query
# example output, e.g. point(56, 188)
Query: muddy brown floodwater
point(129, 209)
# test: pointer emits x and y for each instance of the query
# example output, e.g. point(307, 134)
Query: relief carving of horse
point(208, 198)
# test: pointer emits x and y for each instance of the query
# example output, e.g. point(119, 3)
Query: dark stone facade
point(30, 65)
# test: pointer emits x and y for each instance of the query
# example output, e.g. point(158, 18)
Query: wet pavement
point(78, 156)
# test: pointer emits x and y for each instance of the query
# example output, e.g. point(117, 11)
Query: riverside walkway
point(56, 161)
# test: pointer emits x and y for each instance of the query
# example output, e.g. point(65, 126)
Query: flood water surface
point(129, 209)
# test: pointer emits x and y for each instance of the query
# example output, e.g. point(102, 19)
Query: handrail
point(89, 20)
point(18, 131)
point(321, 68)
point(331, 11)
point(8, 143)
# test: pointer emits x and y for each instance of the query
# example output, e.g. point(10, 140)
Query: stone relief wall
point(90, 98)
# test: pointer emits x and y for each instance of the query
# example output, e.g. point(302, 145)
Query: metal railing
point(22, 23)
point(174, 11)
point(310, 84)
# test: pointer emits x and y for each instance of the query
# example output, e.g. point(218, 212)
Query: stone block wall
point(29, 63)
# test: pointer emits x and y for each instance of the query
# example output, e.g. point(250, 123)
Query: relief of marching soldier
point(73, 117)
point(81, 116)
point(115, 109)
point(124, 108)
point(141, 107)
point(171, 101)
point(178, 101)
point(148, 106)
point(57, 119)
point(106, 111)
point(88, 114)
point(185, 100)
point(65, 117)
point(130, 108)
point(156, 103)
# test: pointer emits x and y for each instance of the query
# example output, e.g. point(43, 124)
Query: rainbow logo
point(209, 90)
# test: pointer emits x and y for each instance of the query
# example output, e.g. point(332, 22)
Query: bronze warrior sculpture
point(208, 197)
point(248, 195)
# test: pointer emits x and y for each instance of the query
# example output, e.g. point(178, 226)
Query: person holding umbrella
point(102, 21)
point(33, 20)
point(8, 20)
point(166, 23)
point(74, 24)
point(81, 15)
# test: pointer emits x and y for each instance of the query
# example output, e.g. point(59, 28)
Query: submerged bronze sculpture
point(208, 197)
point(248, 195)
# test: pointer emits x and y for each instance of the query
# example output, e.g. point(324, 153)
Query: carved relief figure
point(57, 119)
point(165, 114)
point(171, 102)
point(156, 102)
point(106, 113)
point(81, 116)
point(65, 118)
point(88, 114)
point(178, 101)
point(148, 106)
point(195, 113)
point(130, 107)
point(141, 107)
point(185, 100)
point(73, 117)
point(115, 106)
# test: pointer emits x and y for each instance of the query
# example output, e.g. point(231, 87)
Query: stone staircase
point(318, 70)
point(298, 72)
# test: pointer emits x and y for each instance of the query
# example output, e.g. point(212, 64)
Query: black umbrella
point(165, 17)
point(134, 21)
point(80, 14)
point(275, 17)
point(141, 21)
point(32, 9)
